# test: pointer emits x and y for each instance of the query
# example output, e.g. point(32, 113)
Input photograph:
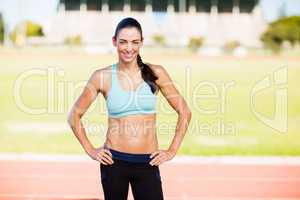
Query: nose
point(129, 47)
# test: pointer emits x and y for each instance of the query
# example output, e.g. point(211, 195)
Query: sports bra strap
point(113, 73)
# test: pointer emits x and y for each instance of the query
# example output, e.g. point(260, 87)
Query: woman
point(130, 153)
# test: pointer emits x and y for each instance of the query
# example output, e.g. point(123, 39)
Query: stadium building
point(217, 21)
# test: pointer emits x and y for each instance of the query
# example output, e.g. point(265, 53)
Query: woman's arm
point(81, 105)
point(88, 95)
point(178, 103)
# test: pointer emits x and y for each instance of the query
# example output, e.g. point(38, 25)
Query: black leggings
point(144, 179)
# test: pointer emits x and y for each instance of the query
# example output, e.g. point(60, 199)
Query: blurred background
point(236, 62)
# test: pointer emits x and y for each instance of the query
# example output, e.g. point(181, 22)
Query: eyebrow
point(132, 40)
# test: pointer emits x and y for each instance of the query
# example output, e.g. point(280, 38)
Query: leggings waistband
point(130, 157)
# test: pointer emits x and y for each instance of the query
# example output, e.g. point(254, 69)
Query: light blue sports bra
point(122, 102)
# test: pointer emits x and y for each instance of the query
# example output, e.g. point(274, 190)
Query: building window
point(225, 6)
point(203, 5)
point(176, 5)
point(72, 4)
point(200, 5)
point(137, 5)
point(116, 5)
point(93, 4)
point(159, 6)
point(246, 6)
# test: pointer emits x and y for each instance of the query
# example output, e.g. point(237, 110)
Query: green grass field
point(231, 127)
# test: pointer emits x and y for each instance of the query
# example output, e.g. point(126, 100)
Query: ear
point(114, 41)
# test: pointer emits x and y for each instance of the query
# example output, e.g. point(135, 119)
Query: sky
point(19, 10)
point(271, 8)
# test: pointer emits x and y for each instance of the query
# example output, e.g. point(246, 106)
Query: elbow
point(71, 118)
point(186, 113)
point(69, 121)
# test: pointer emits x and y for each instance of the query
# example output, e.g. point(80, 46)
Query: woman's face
point(128, 43)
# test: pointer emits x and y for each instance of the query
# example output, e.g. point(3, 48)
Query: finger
point(108, 158)
point(154, 160)
point(161, 162)
point(105, 159)
point(104, 163)
point(108, 152)
point(154, 153)
point(161, 159)
point(156, 163)
point(99, 158)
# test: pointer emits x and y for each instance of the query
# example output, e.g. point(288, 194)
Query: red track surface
point(81, 180)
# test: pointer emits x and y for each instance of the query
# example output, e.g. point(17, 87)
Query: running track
point(183, 179)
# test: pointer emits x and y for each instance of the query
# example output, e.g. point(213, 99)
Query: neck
point(130, 66)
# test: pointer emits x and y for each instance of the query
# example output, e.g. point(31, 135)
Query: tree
point(1, 29)
point(284, 29)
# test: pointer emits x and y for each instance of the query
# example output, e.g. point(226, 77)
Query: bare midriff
point(132, 133)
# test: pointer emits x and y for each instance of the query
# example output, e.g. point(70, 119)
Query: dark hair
point(147, 73)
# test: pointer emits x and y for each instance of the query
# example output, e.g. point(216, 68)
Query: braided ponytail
point(147, 74)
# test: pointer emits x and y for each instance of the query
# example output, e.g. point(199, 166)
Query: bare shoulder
point(102, 72)
point(159, 70)
point(100, 77)
point(163, 76)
